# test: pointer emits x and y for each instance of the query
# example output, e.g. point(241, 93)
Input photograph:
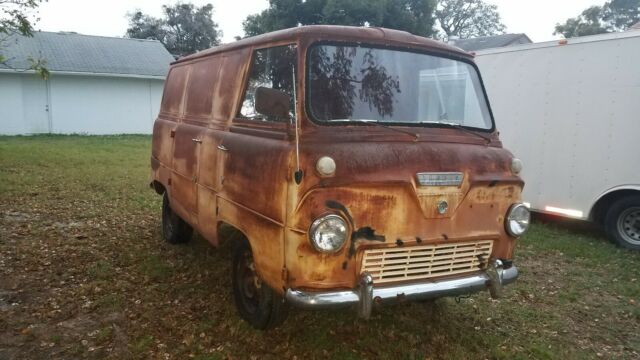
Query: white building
point(98, 85)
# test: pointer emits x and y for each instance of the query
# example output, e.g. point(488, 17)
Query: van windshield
point(358, 83)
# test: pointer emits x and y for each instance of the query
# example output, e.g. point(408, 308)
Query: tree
point(468, 18)
point(183, 29)
point(15, 20)
point(622, 14)
point(589, 22)
point(614, 15)
point(414, 16)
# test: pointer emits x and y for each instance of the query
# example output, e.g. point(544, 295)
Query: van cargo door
point(185, 167)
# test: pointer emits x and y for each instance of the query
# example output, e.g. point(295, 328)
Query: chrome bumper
point(366, 294)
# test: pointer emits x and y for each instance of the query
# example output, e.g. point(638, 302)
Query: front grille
point(425, 262)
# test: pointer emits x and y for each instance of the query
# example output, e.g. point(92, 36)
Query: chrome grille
point(425, 262)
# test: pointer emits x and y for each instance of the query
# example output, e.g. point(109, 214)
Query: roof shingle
point(72, 52)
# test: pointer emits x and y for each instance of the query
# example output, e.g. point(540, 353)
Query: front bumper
point(493, 278)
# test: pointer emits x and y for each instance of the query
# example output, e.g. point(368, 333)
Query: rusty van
point(354, 166)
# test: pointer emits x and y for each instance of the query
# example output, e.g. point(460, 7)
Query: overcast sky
point(536, 18)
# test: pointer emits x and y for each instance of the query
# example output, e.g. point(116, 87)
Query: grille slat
point(425, 262)
point(462, 261)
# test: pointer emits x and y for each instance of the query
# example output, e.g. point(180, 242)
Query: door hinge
point(285, 274)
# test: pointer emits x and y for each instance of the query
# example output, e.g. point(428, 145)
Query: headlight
point(518, 219)
point(328, 233)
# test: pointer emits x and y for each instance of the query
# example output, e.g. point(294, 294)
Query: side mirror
point(271, 102)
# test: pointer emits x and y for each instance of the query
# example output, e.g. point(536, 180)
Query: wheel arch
point(268, 268)
point(230, 232)
point(158, 187)
point(606, 199)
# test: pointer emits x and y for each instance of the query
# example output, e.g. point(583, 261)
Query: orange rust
point(250, 184)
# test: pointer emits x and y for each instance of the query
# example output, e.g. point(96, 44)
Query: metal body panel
point(245, 171)
point(570, 112)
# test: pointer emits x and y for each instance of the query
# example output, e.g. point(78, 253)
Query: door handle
point(222, 147)
point(196, 141)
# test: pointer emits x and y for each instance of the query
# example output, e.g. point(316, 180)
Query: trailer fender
point(602, 202)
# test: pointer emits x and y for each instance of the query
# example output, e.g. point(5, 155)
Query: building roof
point(636, 26)
point(77, 53)
point(489, 42)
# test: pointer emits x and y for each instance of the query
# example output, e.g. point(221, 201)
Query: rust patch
point(365, 233)
point(334, 205)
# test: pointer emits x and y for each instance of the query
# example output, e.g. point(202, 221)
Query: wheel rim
point(249, 283)
point(629, 225)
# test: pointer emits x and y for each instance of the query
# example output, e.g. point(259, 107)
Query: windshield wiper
point(377, 123)
point(458, 127)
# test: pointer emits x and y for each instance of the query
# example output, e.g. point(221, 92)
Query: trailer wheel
point(622, 222)
point(256, 302)
point(174, 229)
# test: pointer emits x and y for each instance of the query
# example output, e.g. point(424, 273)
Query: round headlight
point(518, 219)
point(516, 166)
point(328, 233)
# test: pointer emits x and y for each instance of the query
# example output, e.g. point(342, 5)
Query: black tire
point(622, 222)
point(256, 302)
point(174, 229)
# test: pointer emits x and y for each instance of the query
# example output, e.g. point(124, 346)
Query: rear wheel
point(256, 302)
point(622, 222)
point(174, 229)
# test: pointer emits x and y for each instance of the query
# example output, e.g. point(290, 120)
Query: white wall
point(78, 104)
point(11, 105)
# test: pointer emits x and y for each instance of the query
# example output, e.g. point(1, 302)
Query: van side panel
point(230, 84)
point(203, 80)
point(165, 126)
point(225, 70)
point(223, 83)
point(170, 110)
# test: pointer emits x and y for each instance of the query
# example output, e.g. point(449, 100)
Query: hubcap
point(629, 225)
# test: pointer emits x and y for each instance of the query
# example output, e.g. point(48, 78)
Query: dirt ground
point(84, 273)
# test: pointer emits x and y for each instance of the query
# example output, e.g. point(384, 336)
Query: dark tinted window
point(272, 68)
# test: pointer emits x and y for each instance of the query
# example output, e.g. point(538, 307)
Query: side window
point(272, 68)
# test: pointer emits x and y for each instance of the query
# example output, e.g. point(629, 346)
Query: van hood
point(380, 165)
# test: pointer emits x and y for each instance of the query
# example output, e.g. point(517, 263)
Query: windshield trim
point(409, 49)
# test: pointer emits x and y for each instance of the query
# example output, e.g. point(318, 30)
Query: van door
point(256, 151)
point(256, 147)
point(186, 152)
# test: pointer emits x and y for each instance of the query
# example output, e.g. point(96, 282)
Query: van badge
point(442, 207)
point(440, 178)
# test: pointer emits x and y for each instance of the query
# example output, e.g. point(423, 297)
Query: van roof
point(334, 32)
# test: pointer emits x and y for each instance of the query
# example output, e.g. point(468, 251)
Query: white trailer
point(570, 110)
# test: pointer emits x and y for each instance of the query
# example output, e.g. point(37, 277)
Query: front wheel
point(256, 302)
point(622, 222)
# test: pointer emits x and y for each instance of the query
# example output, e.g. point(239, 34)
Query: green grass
point(79, 236)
